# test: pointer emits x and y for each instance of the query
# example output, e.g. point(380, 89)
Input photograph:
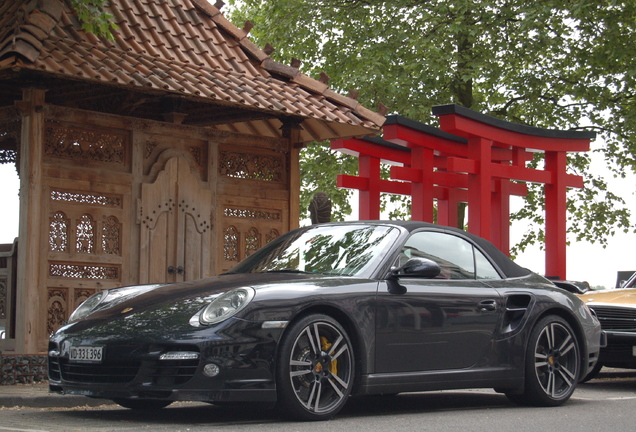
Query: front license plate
point(86, 354)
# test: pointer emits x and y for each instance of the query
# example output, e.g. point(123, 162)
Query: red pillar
point(369, 200)
point(555, 215)
point(422, 191)
point(479, 187)
point(500, 223)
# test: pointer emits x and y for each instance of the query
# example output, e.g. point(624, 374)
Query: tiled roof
point(179, 47)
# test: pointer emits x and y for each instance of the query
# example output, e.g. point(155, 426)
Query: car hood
point(624, 296)
point(172, 305)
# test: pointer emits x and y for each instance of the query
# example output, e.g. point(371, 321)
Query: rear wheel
point(315, 369)
point(142, 404)
point(552, 366)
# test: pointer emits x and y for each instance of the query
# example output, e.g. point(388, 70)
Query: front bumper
point(218, 369)
point(620, 350)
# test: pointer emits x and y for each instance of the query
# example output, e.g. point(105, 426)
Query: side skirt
point(387, 383)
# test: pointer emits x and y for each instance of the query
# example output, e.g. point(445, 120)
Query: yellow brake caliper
point(325, 345)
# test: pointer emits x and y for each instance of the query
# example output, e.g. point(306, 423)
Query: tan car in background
point(616, 310)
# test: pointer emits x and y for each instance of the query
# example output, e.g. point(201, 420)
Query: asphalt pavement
point(39, 396)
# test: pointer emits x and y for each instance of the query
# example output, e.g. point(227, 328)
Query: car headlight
point(109, 298)
point(88, 306)
point(226, 305)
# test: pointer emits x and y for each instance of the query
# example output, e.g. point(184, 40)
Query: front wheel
point(553, 361)
point(315, 369)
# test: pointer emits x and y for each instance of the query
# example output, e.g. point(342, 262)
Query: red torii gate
point(472, 158)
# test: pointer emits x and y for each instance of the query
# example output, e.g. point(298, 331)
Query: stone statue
point(320, 208)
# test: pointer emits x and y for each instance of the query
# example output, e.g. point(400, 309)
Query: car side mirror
point(419, 267)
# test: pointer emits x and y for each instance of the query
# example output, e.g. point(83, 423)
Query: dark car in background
point(331, 311)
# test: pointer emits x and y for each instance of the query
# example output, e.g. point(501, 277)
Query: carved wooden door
point(175, 238)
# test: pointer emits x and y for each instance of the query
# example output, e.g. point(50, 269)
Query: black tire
point(315, 369)
point(553, 364)
point(592, 374)
point(142, 404)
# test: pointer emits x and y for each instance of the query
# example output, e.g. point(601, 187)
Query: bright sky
point(585, 262)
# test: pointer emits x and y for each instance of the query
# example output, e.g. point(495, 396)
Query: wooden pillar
point(555, 215)
point(291, 132)
point(31, 313)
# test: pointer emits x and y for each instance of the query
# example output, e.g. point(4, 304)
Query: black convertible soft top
point(508, 266)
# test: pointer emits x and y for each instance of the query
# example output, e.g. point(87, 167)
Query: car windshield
point(349, 250)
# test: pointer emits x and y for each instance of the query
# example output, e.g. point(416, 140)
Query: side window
point(485, 270)
point(453, 254)
point(457, 258)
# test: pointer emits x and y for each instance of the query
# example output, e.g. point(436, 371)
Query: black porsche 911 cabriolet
point(327, 312)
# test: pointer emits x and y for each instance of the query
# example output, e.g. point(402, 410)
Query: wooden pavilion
point(167, 154)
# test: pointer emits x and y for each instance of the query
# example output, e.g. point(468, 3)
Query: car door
point(442, 323)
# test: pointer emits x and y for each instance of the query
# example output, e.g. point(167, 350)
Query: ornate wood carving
point(84, 271)
point(252, 166)
point(252, 241)
point(245, 213)
point(243, 232)
point(85, 235)
point(111, 232)
point(58, 232)
point(84, 144)
point(105, 200)
point(57, 308)
point(231, 244)
point(271, 235)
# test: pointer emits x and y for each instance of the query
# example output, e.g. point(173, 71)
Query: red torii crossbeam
point(472, 158)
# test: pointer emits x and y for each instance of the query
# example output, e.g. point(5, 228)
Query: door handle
point(487, 306)
point(180, 270)
point(171, 270)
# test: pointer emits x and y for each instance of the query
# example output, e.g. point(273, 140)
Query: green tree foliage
point(563, 64)
point(93, 17)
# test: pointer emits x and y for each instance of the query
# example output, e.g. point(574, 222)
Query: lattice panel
point(231, 244)
point(58, 232)
point(84, 145)
point(252, 239)
point(245, 213)
point(248, 230)
point(103, 200)
point(84, 271)
point(252, 166)
point(85, 235)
